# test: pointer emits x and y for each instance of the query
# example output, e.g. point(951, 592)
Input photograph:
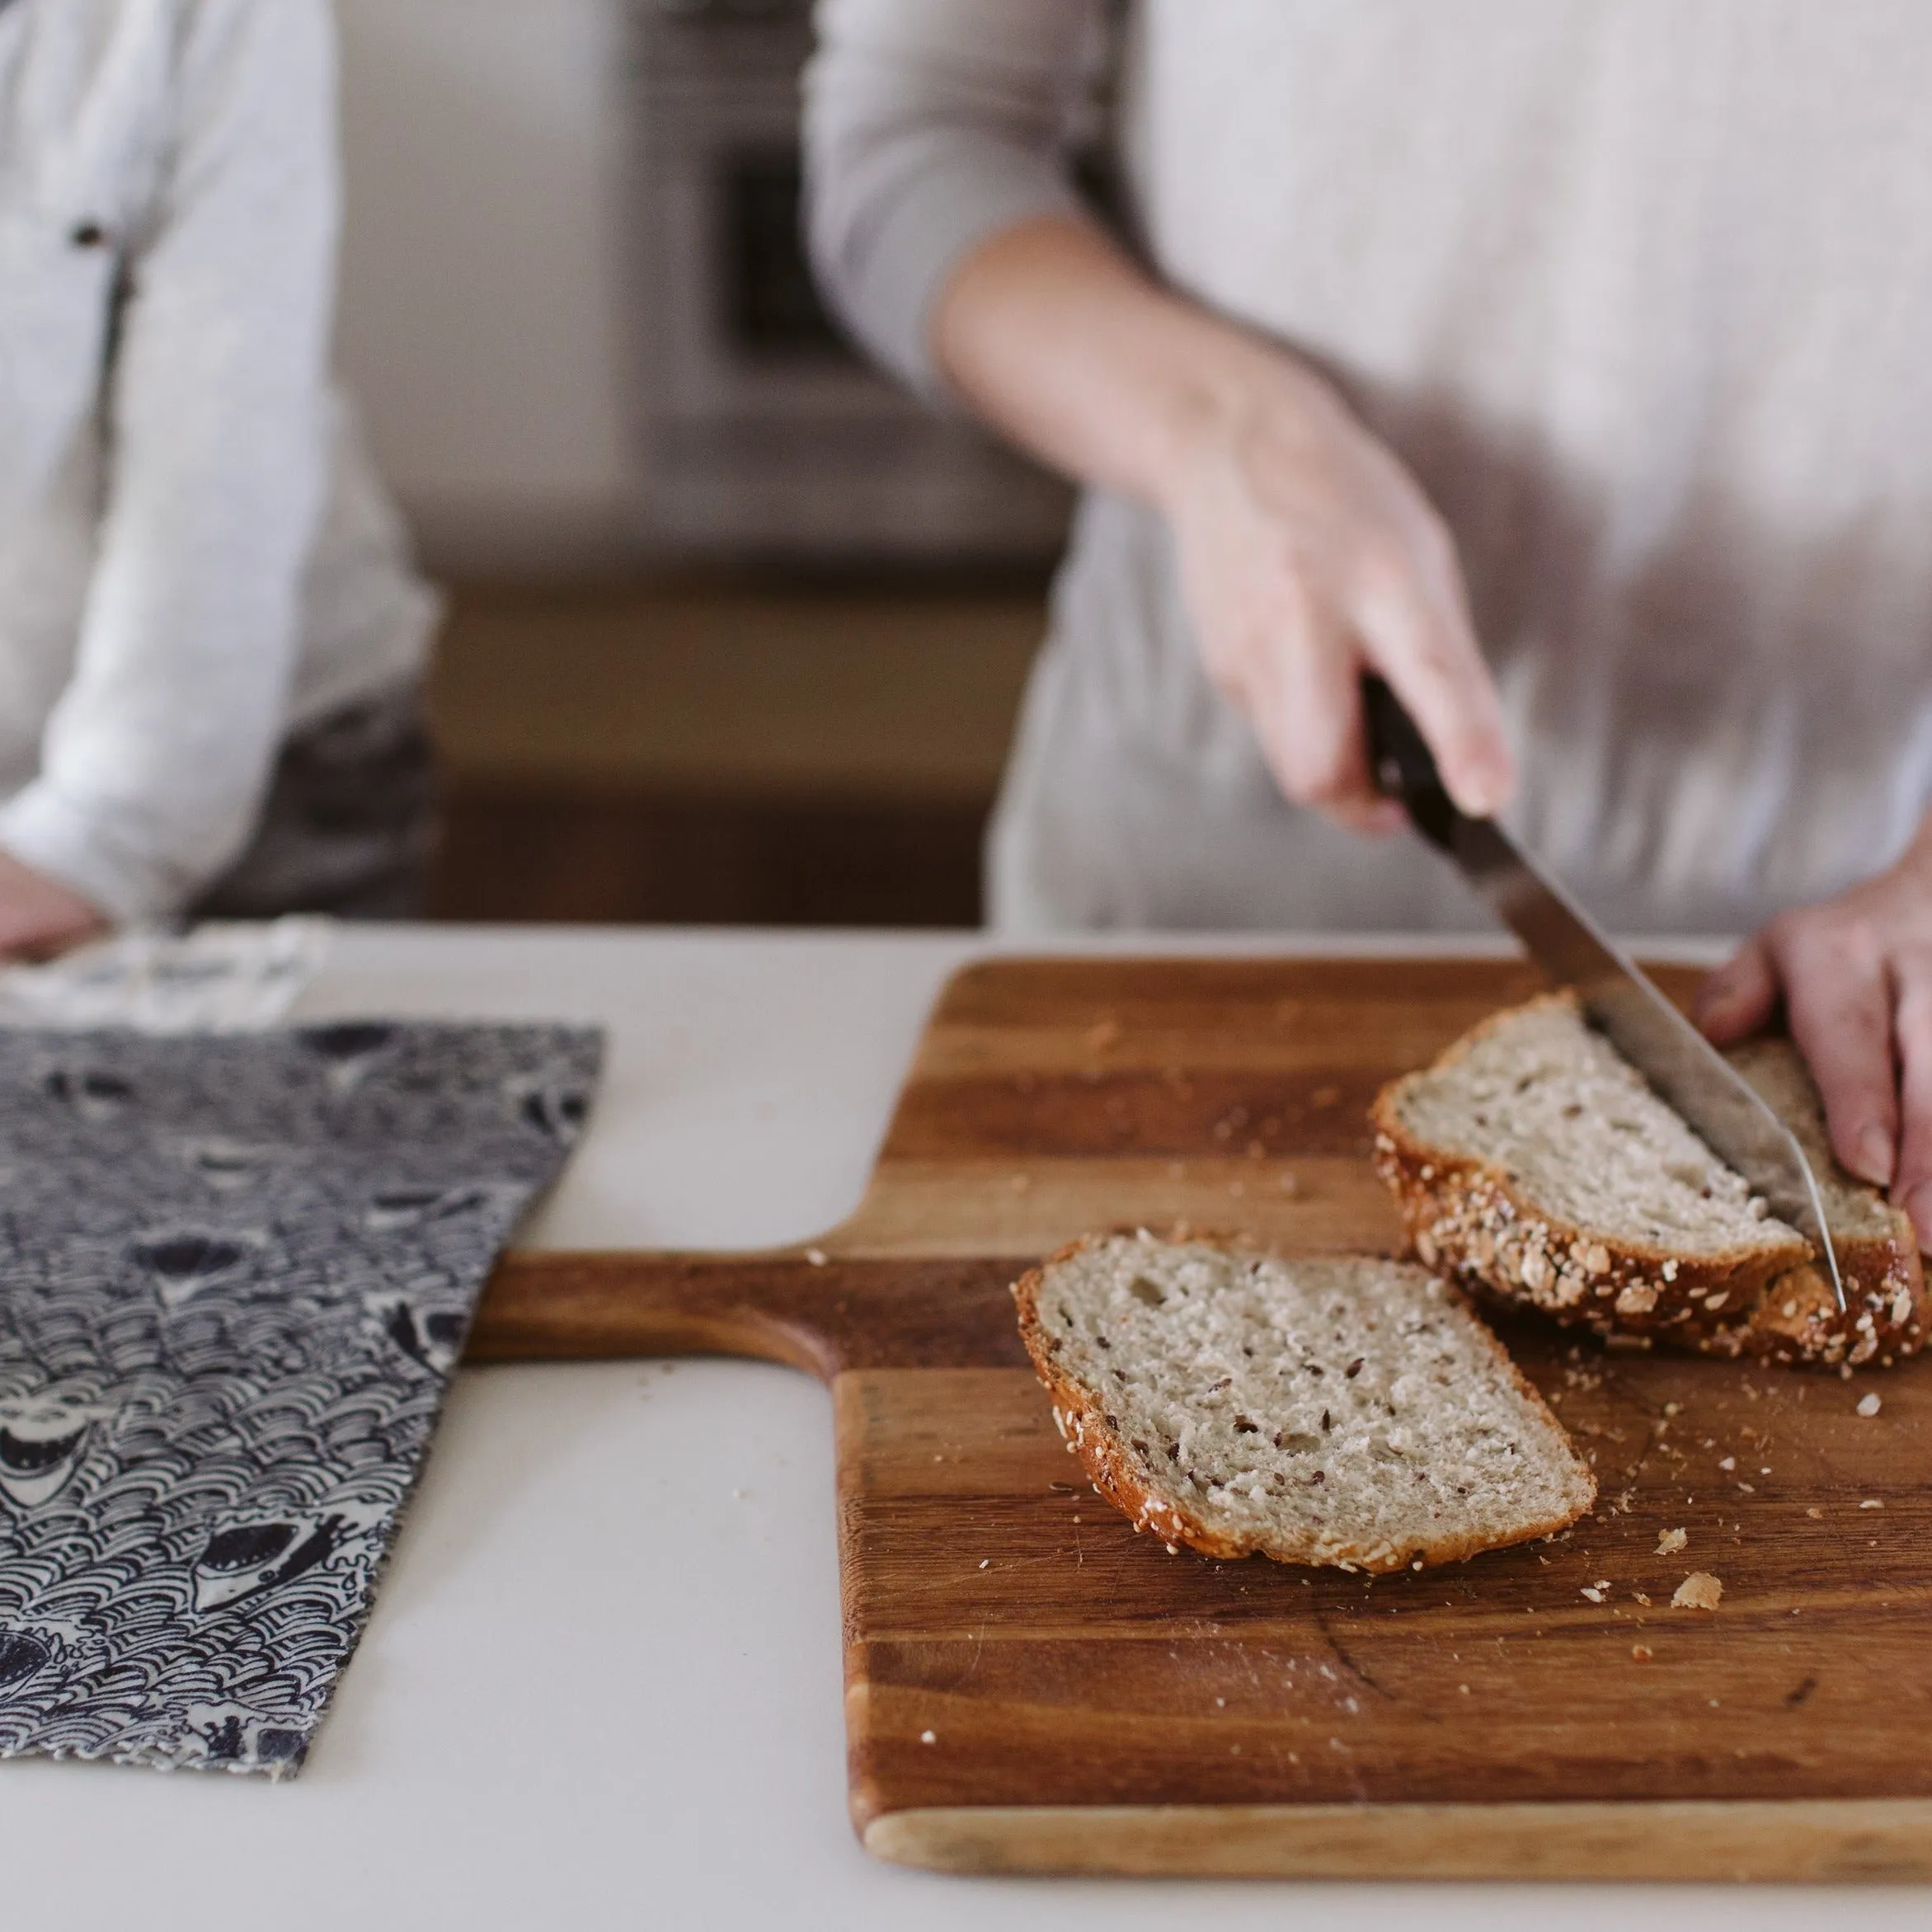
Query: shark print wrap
point(236, 1272)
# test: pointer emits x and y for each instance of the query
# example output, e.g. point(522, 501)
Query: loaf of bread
point(1532, 1161)
point(1349, 1411)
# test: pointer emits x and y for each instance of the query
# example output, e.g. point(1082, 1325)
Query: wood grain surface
point(1031, 1686)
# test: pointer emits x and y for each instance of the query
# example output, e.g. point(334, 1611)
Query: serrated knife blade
point(1619, 998)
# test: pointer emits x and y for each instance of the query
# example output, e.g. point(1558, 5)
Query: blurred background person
point(211, 640)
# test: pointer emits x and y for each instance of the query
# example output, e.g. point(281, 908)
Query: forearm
point(154, 763)
point(1055, 336)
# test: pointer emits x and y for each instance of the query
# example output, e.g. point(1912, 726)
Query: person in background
point(1593, 330)
point(211, 641)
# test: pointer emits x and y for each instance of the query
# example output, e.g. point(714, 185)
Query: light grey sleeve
point(931, 125)
point(154, 759)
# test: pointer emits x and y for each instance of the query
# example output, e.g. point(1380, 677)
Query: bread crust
point(1118, 1474)
point(1465, 1220)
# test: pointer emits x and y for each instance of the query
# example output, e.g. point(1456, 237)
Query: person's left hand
point(1855, 974)
point(40, 917)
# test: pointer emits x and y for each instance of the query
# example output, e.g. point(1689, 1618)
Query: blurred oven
point(764, 434)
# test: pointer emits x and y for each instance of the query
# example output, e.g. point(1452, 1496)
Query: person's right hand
point(1309, 555)
point(41, 918)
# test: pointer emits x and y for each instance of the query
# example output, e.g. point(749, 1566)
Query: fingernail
point(1918, 1204)
point(1875, 1160)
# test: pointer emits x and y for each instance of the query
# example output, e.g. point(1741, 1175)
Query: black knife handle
point(1403, 766)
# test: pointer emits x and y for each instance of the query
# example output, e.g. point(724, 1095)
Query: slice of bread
point(1533, 1161)
point(1348, 1410)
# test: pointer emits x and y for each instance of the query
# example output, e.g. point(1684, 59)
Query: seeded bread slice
point(1349, 1411)
point(1532, 1160)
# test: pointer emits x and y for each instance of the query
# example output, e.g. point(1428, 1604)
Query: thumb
point(1738, 998)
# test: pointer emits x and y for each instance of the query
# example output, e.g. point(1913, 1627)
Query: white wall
point(480, 304)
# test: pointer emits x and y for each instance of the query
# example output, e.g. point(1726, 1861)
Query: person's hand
point(40, 917)
point(1308, 556)
point(1855, 976)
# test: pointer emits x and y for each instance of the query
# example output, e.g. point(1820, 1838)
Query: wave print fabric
point(235, 1274)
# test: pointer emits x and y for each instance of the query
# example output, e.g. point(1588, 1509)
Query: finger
point(1912, 1027)
point(1310, 717)
point(1838, 992)
point(1415, 629)
point(1740, 996)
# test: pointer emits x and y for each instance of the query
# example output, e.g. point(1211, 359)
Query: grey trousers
point(349, 826)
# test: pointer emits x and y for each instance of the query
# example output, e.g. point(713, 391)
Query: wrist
point(1226, 390)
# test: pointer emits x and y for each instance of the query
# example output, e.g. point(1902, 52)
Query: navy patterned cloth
point(235, 1274)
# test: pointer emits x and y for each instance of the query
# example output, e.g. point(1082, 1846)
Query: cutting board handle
point(825, 1316)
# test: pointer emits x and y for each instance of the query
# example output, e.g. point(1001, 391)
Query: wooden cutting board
point(1031, 1686)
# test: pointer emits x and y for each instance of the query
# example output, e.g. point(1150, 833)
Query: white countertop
point(601, 1688)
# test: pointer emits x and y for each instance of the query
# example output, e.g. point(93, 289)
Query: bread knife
point(1684, 1069)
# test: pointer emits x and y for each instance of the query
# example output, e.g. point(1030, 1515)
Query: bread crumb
point(928, 1738)
point(1672, 1541)
point(985, 1562)
point(1595, 1596)
point(815, 1256)
point(1464, 1689)
point(1641, 1598)
point(1815, 1514)
point(1700, 1591)
point(1642, 1652)
point(1871, 1502)
point(1869, 1405)
point(1728, 1462)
